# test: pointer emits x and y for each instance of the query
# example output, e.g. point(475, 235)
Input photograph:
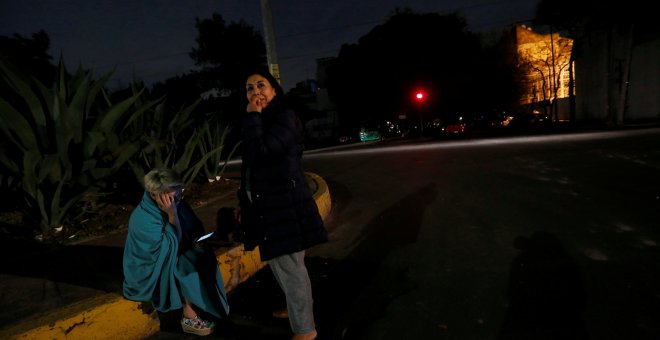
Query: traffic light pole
point(420, 97)
point(421, 121)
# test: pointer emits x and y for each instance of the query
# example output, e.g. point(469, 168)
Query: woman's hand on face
point(165, 202)
point(256, 104)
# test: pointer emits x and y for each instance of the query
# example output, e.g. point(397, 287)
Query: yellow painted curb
point(111, 316)
point(108, 316)
point(321, 195)
point(237, 264)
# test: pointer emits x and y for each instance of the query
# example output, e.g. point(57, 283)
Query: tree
point(224, 52)
point(29, 55)
point(503, 78)
point(374, 78)
point(548, 59)
point(569, 17)
point(227, 50)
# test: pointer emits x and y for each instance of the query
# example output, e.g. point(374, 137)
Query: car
point(534, 120)
point(370, 131)
point(344, 139)
point(367, 135)
point(456, 124)
point(457, 127)
point(493, 119)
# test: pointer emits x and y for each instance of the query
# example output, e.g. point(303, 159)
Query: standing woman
point(162, 262)
point(277, 210)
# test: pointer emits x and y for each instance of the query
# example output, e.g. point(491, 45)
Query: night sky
point(151, 39)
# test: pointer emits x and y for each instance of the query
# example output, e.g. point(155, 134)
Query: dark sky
point(151, 39)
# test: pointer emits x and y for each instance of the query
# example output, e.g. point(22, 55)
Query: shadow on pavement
point(546, 295)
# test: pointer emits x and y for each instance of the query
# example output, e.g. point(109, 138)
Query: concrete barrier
point(111, 316)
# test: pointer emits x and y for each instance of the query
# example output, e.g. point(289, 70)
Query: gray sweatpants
point(291, 273)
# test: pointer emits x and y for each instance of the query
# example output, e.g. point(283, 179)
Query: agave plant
point(211, 143)
point(63, 139)
point(172, 140)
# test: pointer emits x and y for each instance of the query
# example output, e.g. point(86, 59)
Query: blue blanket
point(160, 269)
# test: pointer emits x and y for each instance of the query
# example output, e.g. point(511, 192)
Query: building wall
point(601, 74)
point(644, 91)
point(540, 53)
point(591, 74)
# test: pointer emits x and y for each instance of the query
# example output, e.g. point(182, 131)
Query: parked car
point(370, 131)
point(493, 119)
point(531, 121)
point(456, 124)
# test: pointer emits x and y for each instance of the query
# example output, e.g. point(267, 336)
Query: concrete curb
point(321, 195)
point(111, 316)
point(108, 316)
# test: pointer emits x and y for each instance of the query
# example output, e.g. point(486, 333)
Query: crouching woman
point(162, 262)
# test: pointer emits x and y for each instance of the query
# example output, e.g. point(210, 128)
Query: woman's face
point(170, 194)
point(258, 86)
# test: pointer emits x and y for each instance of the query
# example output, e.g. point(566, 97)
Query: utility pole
point(269, 36)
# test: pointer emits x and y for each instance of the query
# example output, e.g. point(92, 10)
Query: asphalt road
point(537, 237)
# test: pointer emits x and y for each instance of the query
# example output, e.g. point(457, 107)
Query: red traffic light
point(419, 95)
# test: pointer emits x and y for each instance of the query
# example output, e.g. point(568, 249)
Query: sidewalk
point(74, 291)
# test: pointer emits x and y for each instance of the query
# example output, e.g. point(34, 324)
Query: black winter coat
point(278, 212)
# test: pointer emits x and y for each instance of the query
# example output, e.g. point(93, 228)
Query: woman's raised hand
point(165, 202)
point(256, 104)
